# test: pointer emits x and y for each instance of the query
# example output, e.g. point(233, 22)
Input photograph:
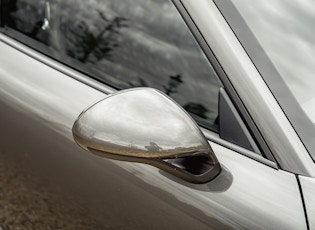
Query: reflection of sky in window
point(284, 29)
point(154, 45)
point(146, 49)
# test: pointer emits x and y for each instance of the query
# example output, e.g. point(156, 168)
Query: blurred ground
point(26, 205)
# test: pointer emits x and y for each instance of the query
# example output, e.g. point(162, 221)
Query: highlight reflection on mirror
point(138, 43)
point(142, 123)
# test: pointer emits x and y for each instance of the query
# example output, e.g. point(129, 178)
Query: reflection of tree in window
point(173, 84)
point(197, 109)
point(89, 47)
point(168, 89)
point(140, 82)
point(26, 18)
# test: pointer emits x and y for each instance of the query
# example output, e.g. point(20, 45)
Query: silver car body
point(40, 100)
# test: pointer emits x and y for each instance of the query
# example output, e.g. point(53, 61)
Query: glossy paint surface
point(119, 125)
point(38, 108)
point(308, 188)
point(287, 72)
point(117, 128)
point(277, 131)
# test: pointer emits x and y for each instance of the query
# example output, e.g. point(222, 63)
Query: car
point(157, 114)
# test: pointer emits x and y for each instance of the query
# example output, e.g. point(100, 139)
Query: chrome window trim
point(252, 128)
point(213, 137)
point(56, 65)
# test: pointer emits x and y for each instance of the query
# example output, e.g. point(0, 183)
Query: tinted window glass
point(124, 44)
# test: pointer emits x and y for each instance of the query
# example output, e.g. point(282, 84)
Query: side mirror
point(144, 125)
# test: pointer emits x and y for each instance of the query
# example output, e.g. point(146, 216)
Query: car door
point(59, 58)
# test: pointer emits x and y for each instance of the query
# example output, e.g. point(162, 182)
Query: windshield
point(278, 36)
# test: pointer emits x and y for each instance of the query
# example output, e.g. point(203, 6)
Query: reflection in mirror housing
point(144, 125)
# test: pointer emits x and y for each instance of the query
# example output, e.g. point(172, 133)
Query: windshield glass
point(278, 36)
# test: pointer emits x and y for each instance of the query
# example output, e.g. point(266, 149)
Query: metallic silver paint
point(144, 125)
point(308, 188)
point(119, 125)
point(58, 66)
point(39, 106)
point(281, 138)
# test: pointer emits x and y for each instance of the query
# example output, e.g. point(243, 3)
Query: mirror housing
point(144, 125)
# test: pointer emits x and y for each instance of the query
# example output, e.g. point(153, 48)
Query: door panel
point(47, 180)
point(308, 188)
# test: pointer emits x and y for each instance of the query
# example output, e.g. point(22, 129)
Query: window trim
point(225, 81)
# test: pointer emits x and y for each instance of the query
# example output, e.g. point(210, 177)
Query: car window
point(126, 44)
